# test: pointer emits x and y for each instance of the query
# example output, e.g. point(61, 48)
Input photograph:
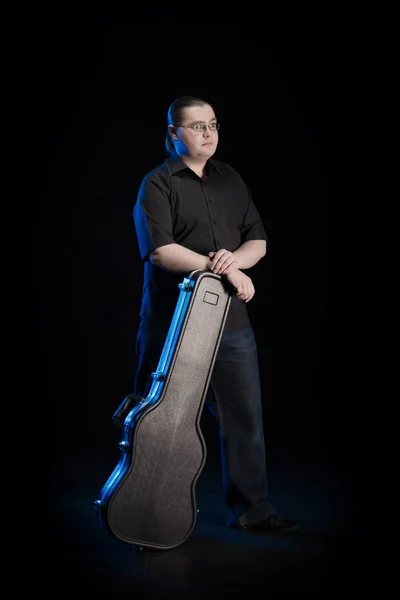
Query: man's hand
point(242, 283)
point(223, 262)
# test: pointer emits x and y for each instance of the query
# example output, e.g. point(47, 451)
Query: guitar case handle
point(124, 408)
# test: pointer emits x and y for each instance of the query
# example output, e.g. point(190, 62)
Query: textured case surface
point(149, 500)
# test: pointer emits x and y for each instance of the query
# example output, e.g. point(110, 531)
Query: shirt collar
point(176, 164)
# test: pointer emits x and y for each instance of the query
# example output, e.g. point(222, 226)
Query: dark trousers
point(234, 398)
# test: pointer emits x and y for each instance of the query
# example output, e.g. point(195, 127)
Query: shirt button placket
point(212, 221)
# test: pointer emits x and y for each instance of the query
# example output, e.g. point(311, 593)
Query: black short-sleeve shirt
point(206, 214)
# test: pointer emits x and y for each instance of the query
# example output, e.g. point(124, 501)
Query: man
point(195, 212)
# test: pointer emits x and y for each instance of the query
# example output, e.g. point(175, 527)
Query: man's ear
point(172, 130)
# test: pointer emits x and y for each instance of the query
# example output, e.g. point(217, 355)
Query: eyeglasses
point(200, 127)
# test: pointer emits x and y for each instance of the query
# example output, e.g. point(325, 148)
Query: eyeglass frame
point(204, 127)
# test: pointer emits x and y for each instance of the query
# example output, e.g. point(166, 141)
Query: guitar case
point(149, 499)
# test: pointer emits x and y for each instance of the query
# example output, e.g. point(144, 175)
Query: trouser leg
point(235, 399)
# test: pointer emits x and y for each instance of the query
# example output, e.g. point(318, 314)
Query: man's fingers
point(224, 263)
point(245, 293)
point(221, 266)
point(220, 258)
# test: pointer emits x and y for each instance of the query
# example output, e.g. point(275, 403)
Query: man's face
point(200, 142)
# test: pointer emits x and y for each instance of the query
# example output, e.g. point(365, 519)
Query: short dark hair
point(175, 114)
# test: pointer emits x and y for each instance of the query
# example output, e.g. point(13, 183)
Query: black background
point(100, 86)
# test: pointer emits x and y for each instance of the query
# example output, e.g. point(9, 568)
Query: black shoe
point(275, 524)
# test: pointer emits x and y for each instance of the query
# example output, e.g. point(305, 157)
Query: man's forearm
point(249, 253)
point(179, 259)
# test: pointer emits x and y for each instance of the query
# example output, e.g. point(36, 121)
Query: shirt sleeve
point(152, 218)
point(252, 227)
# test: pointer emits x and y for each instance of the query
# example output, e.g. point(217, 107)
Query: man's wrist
point(237, 260)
